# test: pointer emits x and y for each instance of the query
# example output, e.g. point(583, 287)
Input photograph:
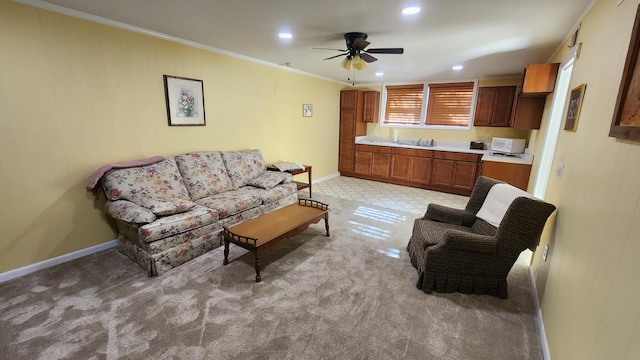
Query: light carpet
point(349, 296)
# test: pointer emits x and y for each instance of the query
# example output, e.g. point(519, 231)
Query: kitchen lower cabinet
point(411, 165)
point(372, 160)
point(511, 173)
point(455, 170)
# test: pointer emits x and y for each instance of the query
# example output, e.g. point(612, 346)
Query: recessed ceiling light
point(285, 35)
point(457, 67)
point(410, 10)
point(379, 73)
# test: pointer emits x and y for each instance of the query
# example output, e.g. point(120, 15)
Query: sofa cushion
point(232, 202)
point(277, 193)
point(243, 166)
point(270, 179)
point(127, 211)
point(161, 180)
point(204, 173)
point(174, 224)
point(164, 207)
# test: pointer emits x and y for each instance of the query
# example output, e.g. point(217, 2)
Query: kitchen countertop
point(526, 158)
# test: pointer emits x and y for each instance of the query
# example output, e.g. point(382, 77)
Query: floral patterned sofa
point(172, 211)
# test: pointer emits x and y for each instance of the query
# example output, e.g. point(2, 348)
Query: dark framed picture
point(625, 124)
point(575, 104)
point(185, 101)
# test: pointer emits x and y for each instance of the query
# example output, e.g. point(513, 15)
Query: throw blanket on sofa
point(497, 202)
point(92, 185)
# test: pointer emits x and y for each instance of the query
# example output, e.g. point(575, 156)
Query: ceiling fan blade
point(315, 48)
point(386, 51)
point(368, 58)
point(333, 57)
point(360, 44)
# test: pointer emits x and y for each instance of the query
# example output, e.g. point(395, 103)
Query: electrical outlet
point(560, 169)
point(545, 252)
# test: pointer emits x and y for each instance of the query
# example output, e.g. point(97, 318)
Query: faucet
point(418, 143)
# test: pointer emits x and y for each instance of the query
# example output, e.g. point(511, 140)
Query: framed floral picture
point(185, 101)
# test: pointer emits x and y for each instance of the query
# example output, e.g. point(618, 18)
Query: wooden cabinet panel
point(350, 127)
point(527, 112)
point(414, 169)
point(493, 106)
point(346, 156)
point(400, 166)
point(456, 170)
point(412, 152)
point(420, 170)
point(372, 160)
point(464, 175)
point(539, 79)
point(442, 172)
point(457, 156)
point(371, 108)
point(380, 164)
point(514, 174)
point(348, 99)
point(485, 102)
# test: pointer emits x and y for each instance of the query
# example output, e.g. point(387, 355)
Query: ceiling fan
point(355, 53)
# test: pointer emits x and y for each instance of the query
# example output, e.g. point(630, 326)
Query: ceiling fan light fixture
point(358, 63)
point(346, 62)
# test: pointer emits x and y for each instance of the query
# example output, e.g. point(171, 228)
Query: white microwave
point(508, 146)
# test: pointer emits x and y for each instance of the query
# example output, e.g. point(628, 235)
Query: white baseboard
point(543, 336)
point(12, 274)
point(326, 178)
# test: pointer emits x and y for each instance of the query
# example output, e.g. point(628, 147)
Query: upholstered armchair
point(472, 250)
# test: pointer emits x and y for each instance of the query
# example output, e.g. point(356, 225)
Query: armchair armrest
point(129, 212)
point(449, 215)
point(469, 242)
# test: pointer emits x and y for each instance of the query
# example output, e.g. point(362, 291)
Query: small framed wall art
point(575, 104)
point(185, 101)
point(307, 110)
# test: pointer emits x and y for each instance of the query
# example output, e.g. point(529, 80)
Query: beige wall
point(75, 95)
point(590, 283)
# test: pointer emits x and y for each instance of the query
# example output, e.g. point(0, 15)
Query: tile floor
point(396, 197)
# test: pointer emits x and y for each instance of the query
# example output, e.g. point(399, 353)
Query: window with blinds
point(448, 104)
point(404, 104)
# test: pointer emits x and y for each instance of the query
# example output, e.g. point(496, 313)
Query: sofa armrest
point(469, 242)
point(129, 212)
point(449, 215)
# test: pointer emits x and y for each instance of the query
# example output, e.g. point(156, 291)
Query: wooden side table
point(301, 185)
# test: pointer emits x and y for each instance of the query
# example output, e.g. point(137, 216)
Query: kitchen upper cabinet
point(351, 125)
point(411, 165)
point(493, 106)
point(539, 79)
point(371, 106)
point(372, 160)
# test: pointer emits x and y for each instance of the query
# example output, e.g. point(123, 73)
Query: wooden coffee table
point(268, 229)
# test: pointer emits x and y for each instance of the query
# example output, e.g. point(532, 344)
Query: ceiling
point(489, 38)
